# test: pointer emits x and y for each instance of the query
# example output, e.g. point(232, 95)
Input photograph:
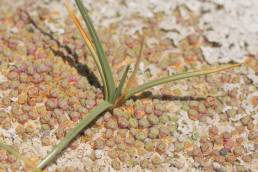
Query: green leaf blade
point(93, 114)
point(101, 54)
point(121, 84)
point(181, 76)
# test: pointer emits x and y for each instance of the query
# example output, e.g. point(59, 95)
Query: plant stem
point(73, 133)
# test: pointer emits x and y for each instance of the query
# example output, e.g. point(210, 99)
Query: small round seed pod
point(139, 114)
point(46, 140)
point(6, 101)
point(164, 118)
point(140, 136)
point(30, 70)
point(193, 114)
point(51, 104)
point(33, 92)
point(144, 123)
point(37, 78)
point(153, 132)
point(22, 98)
point(133, 131)
point(148, 109)
point(15, 109)
point(107, 116)
point(99, 143)
point(13, 93)
point(161, 147)
point(245, 120)
point(111, 124)
point(164, 131)
point(116, 165)
point(109, 134)
point(153, 119)
point(159, 109)
point(112, 154)
point(60, 133)
point(118, 139)
point(252, 135)
point(5, 85)
point(213, 131)
point(110, 143)
point(231, 113)
point(144, 163)
point(63, 104)
point(90, 103)
point(3, 115)
point(122, 122)
point(33, 115)
point(45, 119)
point(122, 132)
point(129, 140)
point(14, 84)
point(156, 160)
point(12, 75)
point(133, 123)
point(149, 146)
point(117, 112)
point(99, 121)
point(202, 108)
point(75, 116)
point(123, 156)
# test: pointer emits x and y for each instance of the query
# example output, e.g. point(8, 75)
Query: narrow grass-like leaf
point(167, 79)
point(101, 54)
point(121, 84)
point(89, 44)
point(11, 150)
point(132, 80)
point(73, 133)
